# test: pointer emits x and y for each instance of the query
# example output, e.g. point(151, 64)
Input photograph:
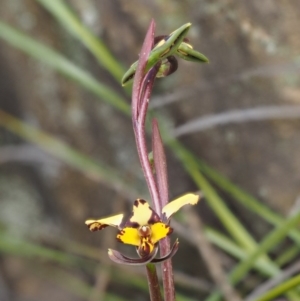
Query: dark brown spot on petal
point(138, 201)
point(132, 224)
point(121, 232)
point(96, 227)
point(154, 218)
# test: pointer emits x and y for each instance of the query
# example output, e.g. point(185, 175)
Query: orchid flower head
point(143, 229)
point(166, 47)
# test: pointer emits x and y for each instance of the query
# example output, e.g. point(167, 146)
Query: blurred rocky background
point(253, 47)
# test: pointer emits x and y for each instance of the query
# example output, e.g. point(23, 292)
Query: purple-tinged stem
point(154, 288)
point(139, 74)
point(142, 87)
point(160, 164)
point(139, 131)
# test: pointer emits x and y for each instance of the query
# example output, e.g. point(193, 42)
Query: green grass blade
point(227, 218)
point(288, 255)
point(281, 289)
point(227, 245)
point(232, 224)
point(93, 169)
point(76, 285)
point(246, 199)
point(14, 246)
point(70, 21)
point(62, 65)
point(270, 241)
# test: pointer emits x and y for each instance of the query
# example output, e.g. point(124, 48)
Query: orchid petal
point(167, 46)
point(164, 48)
point(142, 214)
point(168, 66)
point(172, 252)
point(146, 247)
point(159, 231)
point(129, 236)
point(186, 52)
point(99, 224)
point(174, 206)
point(118, 257)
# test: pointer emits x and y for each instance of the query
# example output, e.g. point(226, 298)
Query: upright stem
point(160, 164)
point(140, 134)
point(167, 271)
point(144, 159)
point(158, 188)
point(154, 289)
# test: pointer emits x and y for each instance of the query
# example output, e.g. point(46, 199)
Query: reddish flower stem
point(159, 196)
point(142, 88)
point(140, 136)
point(154, 288)
point(167, 271)
point(160, 164)
point(143, 155)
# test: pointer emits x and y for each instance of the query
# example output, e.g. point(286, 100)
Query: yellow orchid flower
point(143, 229)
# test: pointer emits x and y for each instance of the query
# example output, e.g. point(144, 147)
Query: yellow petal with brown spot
point(174, 206)
point(142, 214)
point(129, 236)
point(99, 224)
point(159, 231)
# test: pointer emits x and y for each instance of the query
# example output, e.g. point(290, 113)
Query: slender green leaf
point(73, 283)
point(13, 246)
point(246, 199)
point(70, 21)
point(93, 169)
point(288, 255)
point(280, 289)
point(224, 243)
point(62, 65)
point(231, 223)
point(269, 242)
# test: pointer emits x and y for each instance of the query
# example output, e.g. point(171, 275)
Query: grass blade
point(62, 65)
point(280, 289)
point(246, 199)
point(13, 246)
point(224, 243)
point(72, 24)
point(94, 170)
point(231, 223)
point(270, 241)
